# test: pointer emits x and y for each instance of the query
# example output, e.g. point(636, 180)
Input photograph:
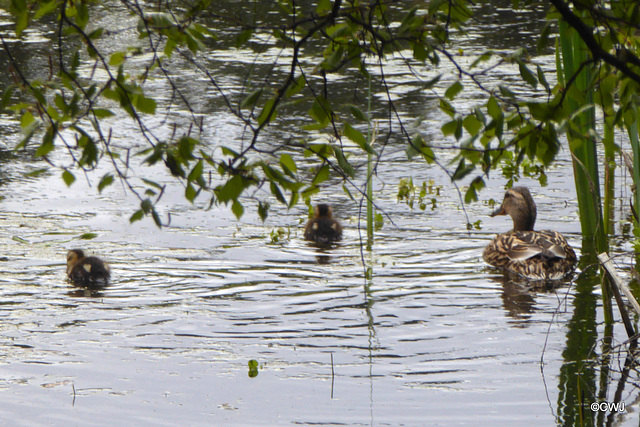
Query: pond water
point(436, 337)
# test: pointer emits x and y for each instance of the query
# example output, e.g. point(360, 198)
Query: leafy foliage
point(74, 110)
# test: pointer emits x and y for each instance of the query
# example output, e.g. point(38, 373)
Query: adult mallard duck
point(90, 272)
point(535, 255)
point(322, 228)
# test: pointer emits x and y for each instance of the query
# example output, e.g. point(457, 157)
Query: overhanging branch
point(586, 34)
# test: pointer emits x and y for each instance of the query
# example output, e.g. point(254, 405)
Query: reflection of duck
point(86, 271)
point(322, 228)
point(536, 255)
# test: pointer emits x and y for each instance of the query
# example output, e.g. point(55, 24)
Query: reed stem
point(370, 160)
point(575, 73)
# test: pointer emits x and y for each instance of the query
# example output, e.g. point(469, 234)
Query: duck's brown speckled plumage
point(535, 255)
point(89, 272)
point(322, 228)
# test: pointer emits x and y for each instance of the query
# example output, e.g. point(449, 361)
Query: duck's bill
point(499, 211)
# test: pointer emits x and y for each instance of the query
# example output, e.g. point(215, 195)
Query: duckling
point(322, 228)
point(535, 255)
point(90, 272)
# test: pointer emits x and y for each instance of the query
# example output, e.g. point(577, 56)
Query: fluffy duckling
point(322, 228)
point(90, 272)
point(535, 255)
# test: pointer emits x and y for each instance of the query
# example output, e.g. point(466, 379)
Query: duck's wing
point(528, 244)
point(522, 251)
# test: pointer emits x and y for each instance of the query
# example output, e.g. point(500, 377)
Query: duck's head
point(519, 204)
point(324, 211)
point(74, 256)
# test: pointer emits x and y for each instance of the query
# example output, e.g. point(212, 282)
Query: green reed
point(580, 91)
point(370, 160)
point(632, 129)
point(575, 73)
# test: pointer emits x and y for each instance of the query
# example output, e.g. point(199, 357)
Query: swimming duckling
point(90, 272)
point(535, 255)
point(322, 228)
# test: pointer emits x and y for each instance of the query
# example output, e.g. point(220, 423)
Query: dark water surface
point(435, 338)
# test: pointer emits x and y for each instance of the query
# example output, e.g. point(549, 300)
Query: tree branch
point(586, 34)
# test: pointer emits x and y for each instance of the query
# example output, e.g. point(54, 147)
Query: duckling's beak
point(499, 211)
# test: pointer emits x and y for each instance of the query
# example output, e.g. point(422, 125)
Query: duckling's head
point(324, 211)
point(74, 256)
point(519, 204)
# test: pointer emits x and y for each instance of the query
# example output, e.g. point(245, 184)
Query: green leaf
point(493, 108)
point(506, 92)
point(102, 113)
point(541, 111)
point(357, 137)
point(431, 83)
point(543, 41)
point(106, 181)
point(453, 90)
point(322, 175)
point(295, 196)
point(170, 47)
point(348, 193)
point(267, 115)
point(26, 121)
point(378, 221)
point(196, 172)
point(145, 105)
point(88, 236)
point(447, 108)
point(44, 148)
point(419, 146)
point(275, 190)
point(462, 170)
point(263, 210)
point(6, 97)
point(186, 146)
point(543, 79)
point(323, 6)
point(232, 189)
point(89, 151)
point(527, 75)
point(45, 8)
point(36, 173)
point(82, 17)
point(229, 152)
point(96, 34)
point(237, 209)
point(472, 125)
point(190, 193)
point(321, 111)
point(117, 58)
point(472, 192)
point(251, 99)
point(357, 113)
point(243, 37)
point(22, 20)
point(137, 216)
point(297, 86)
point(287, 162)
point(333, 60)
point(454, 127)
point(343, 163)
point(68, 178)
